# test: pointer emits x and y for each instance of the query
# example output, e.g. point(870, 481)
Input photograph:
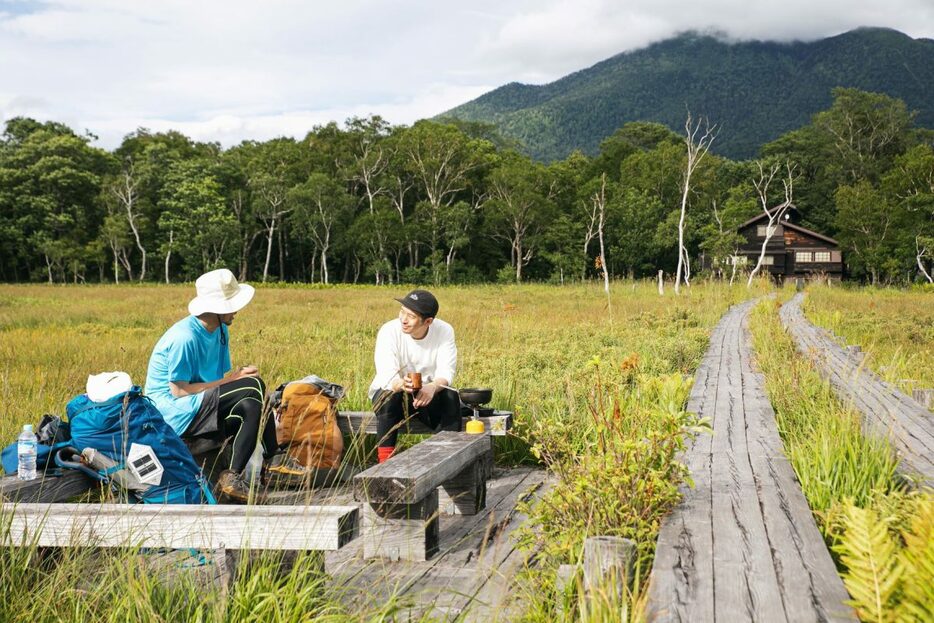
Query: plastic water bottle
point(26, 448)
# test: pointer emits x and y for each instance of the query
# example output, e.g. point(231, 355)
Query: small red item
point(383, 454)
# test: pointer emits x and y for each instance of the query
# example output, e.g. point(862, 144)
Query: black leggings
point(240, 413)
point(442, 413)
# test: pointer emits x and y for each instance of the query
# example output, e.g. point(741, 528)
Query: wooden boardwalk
point(907, 425)
point(469, 579)
point(742, 545)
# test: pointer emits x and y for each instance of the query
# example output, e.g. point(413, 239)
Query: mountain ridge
point(755, 90)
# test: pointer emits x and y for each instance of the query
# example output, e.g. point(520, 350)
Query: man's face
point(227, 319)
point(412, 323)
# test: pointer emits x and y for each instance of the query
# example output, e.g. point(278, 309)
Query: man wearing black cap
point(416, 342)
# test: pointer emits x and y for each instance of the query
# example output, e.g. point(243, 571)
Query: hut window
point(802, 256)
point(822, 256)
point(764, 230)
point(768, 260)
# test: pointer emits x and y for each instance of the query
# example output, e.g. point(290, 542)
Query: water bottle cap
point(27, 428)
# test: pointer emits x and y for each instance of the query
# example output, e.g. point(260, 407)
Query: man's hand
point(244, 372)
point(407, 385)
point(424, 396)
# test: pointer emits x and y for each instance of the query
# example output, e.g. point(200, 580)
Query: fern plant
point(873, 569)
point(918, 560)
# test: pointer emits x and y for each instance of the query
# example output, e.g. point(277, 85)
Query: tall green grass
point(539, 347)
point(894, 327)
point(876, 526)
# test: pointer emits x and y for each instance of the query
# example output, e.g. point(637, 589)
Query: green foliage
point(452, 202)
point(873, 568)
point(881, 534)
point(918, 561)
point(615, 463)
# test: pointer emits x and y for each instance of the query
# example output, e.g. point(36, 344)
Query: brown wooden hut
point(793, 251)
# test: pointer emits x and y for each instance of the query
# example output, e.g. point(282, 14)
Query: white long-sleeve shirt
point(434, 356)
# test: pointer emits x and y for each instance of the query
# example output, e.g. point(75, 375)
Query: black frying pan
point(475, 396)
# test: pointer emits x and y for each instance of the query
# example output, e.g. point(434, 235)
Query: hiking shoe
point(285, 470)
point(235, 488)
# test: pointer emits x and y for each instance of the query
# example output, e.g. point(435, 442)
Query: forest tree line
point(450, 201)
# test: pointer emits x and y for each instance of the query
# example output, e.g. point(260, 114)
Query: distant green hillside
point(756, 91)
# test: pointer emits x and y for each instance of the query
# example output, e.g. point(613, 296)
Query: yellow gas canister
point(475, 427)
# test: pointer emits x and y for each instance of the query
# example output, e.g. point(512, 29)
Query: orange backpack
point(308, 424)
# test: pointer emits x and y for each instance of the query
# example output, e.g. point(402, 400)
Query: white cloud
point(560, 36)
point(229, 70)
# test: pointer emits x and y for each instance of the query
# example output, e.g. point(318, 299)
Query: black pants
point(235, 411)
point(442, 413)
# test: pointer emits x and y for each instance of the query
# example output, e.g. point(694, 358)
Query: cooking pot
point(475, 396)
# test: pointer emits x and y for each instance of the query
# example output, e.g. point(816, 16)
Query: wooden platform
point(742, 545)
point(887, 412)
point(469, 579)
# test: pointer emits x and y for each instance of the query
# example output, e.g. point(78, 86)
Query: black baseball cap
point(422, 302)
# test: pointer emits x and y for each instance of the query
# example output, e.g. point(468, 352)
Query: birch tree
point(519, 207)
point(441, 159)
point(272, 174)
point(321, 205)
point(924, 253)
point(697, 140)
point(124, 188)
point(598, 206)
point(775, 215)
point(370, 161)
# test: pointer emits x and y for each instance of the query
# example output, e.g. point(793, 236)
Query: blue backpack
point(112, 426)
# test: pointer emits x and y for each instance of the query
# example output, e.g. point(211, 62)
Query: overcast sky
point(232, 70)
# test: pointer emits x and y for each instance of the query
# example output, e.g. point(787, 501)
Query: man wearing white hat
point(186, 382)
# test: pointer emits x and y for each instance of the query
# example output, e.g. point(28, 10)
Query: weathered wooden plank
point(886, 412)
point(486, 594)
point(401, 531)
point(466, 542)
point(46, 488)
point(409, 476)
point(742, 545)
point(178, 526)
point(465, 493)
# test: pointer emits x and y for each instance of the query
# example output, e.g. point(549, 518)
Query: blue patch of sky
point(20, 7)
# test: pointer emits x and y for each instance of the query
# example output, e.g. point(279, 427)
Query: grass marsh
point(541, 348)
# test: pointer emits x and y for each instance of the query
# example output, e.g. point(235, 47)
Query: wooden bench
point(403, 496)
point(180, 526)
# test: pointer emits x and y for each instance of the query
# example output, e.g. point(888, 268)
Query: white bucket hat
point(219, 293)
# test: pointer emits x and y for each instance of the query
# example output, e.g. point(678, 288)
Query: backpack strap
point(64, 458)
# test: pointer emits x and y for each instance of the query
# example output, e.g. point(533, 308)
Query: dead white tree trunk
point(923, 251)
point(589, 235)
point(698, 144)
point(168, 254)
point(776, 213)
point(271, 220)
point(599, 203)
point(124, 189)
point(661, 283)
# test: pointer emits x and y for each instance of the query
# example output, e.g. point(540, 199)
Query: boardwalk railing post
point(608, 562)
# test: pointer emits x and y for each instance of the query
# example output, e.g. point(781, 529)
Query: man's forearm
point(180, 389)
